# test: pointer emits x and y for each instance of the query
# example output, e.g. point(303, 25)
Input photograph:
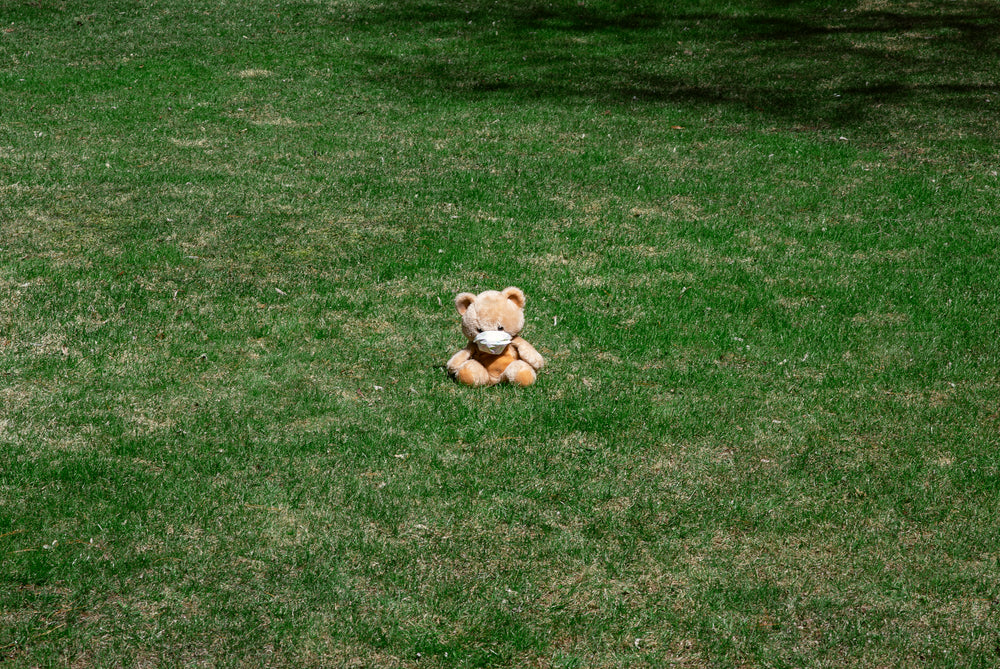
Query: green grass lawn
point(759, 243)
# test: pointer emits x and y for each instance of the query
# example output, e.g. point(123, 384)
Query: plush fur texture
point(494, 310)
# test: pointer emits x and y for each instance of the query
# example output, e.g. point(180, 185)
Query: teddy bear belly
point(495, 364)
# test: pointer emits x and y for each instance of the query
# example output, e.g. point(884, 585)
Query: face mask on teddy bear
point(492, 341)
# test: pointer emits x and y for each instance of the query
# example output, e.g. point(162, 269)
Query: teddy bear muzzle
point(492, 341)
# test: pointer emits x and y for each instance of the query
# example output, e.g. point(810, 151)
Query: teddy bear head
point(491, 311)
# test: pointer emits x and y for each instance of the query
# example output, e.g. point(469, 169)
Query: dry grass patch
point(253, 73)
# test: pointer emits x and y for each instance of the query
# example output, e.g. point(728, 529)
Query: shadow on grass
point(802, 63)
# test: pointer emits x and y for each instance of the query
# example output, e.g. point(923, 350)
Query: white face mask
point(492, 341)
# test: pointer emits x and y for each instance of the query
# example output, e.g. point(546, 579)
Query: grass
point(759, 245)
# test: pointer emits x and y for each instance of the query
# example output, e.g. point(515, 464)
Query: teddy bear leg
point(471, 373)
point(519, 372)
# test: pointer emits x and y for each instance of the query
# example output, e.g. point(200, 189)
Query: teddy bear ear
point(463, 301)
point(515, 295)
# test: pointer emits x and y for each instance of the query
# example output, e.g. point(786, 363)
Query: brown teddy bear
point(492, 321)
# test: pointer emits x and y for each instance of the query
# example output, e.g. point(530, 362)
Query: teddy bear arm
point(459, 359)
point(528, 353)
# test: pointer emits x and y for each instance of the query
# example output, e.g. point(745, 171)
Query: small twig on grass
point(36, 637)
point(259, 506)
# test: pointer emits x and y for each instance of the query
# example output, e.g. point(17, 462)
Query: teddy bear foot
point(473, 374)
point(519, 372)
point(525, 377)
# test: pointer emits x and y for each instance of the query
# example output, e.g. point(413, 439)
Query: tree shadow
point(800, 63)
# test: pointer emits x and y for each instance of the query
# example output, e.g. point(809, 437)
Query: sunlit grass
point(759, 249)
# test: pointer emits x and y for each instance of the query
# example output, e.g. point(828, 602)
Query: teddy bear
point(492, 322)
